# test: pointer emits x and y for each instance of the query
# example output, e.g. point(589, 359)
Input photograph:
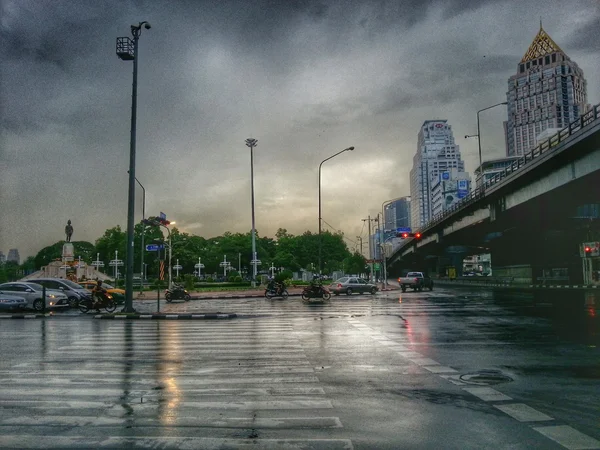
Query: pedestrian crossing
point(186, 384)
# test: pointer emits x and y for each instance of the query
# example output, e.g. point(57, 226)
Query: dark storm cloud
point(586, 37)
point(306, 78)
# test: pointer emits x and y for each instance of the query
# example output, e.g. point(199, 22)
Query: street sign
point(163, 216)
point(403, 230)
point(154, 247)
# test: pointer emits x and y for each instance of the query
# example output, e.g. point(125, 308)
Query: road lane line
point(439, 369)
point(569, 437)
point(487, 394)
point(523, 413)
point(181, 443)
point(179, 421)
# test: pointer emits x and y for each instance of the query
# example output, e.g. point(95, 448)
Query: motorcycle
point(98, 301)
point(316, 292)
point(177, 293)
point(275, 291)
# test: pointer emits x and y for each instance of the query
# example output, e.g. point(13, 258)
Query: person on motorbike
point(315, 284)
point(271, 285)
point(98, 294)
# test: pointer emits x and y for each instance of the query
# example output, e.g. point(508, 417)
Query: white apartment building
point(548, 91)
point(436, 153)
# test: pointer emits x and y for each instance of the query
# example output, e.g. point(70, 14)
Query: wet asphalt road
point(452, 369)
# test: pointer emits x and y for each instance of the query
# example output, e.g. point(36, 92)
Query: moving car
point(33, 293)
point(117, 294)
point(416, 281)
point(350, 285)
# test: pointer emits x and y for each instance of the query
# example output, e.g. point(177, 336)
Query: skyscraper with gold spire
point(548, 92)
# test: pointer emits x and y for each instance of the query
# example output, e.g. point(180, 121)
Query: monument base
point(68, 252)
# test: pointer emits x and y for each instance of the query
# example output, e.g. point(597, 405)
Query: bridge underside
point(527, 241)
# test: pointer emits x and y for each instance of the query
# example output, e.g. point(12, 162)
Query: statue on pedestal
point(69, 230)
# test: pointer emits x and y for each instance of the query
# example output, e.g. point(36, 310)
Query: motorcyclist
point(315, 284)
point(98, 294)
point(271, 285)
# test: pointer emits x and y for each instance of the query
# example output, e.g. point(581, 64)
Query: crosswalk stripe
point(140, 381)
point(19, 393)
point(181, 443)
point(179, 373)
point(285, 423)
point(224, 405)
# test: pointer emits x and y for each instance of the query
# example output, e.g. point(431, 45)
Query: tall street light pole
point(479, 133)
point(128, 50)
point(320, 240)
point(250, 142)
point(387, 202)
point(143, 235)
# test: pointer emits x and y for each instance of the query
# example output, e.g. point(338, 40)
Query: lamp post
point(251, 142)
point(127, 50)
point(478, 135)
point(387, 202)
point(143, 235)
point(320, 241)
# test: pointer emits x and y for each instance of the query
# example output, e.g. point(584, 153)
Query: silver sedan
point(350, 285)
point(32, 292)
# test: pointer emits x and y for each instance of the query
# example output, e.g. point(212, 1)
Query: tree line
point(285, 252)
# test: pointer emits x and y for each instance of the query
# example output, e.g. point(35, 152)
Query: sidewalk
point(483, 284)
point(214, 295)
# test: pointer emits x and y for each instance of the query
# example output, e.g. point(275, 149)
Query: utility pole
point(361, 246)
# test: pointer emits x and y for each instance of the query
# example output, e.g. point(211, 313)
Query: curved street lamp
point(478, 135)
point(320, 240)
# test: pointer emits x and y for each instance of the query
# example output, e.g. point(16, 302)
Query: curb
point(520, 286)
point(24, 316)
point(221, 297)
point(212, 316)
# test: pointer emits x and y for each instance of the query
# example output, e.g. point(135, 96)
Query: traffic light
point(587, 250)
point(407, 235)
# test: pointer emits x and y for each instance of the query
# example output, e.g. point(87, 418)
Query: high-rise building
point(447, 189)
point(436, 153)
point(547, 92)
point(397, 214)
point(2, 257)
point(13, 256)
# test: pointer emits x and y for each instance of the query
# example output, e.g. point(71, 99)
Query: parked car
point(12, 302)
point(72, 290)
point(117, 294)
point(350, 285)
point(416, 281)
point(33, 293)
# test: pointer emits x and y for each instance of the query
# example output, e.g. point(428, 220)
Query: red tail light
point(339, 285)
point(416, 280)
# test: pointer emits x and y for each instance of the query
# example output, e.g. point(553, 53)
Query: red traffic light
point(404, 235)
point(417, 235)
point(588, 249)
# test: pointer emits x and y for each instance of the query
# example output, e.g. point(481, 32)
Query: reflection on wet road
point(448, 369)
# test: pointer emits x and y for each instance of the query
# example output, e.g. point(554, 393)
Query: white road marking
point(487, 394)
point(439, 369)
point(181, 443)
point(410, 354)
point(569, 437)
point(523, 413)
point(424, 361)
point(178, 421)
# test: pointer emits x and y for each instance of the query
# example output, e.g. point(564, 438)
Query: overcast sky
point(305, 78)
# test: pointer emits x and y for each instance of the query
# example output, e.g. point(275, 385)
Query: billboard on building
point(463, 188)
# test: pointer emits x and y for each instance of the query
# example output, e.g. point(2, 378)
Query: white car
point(32, 292)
